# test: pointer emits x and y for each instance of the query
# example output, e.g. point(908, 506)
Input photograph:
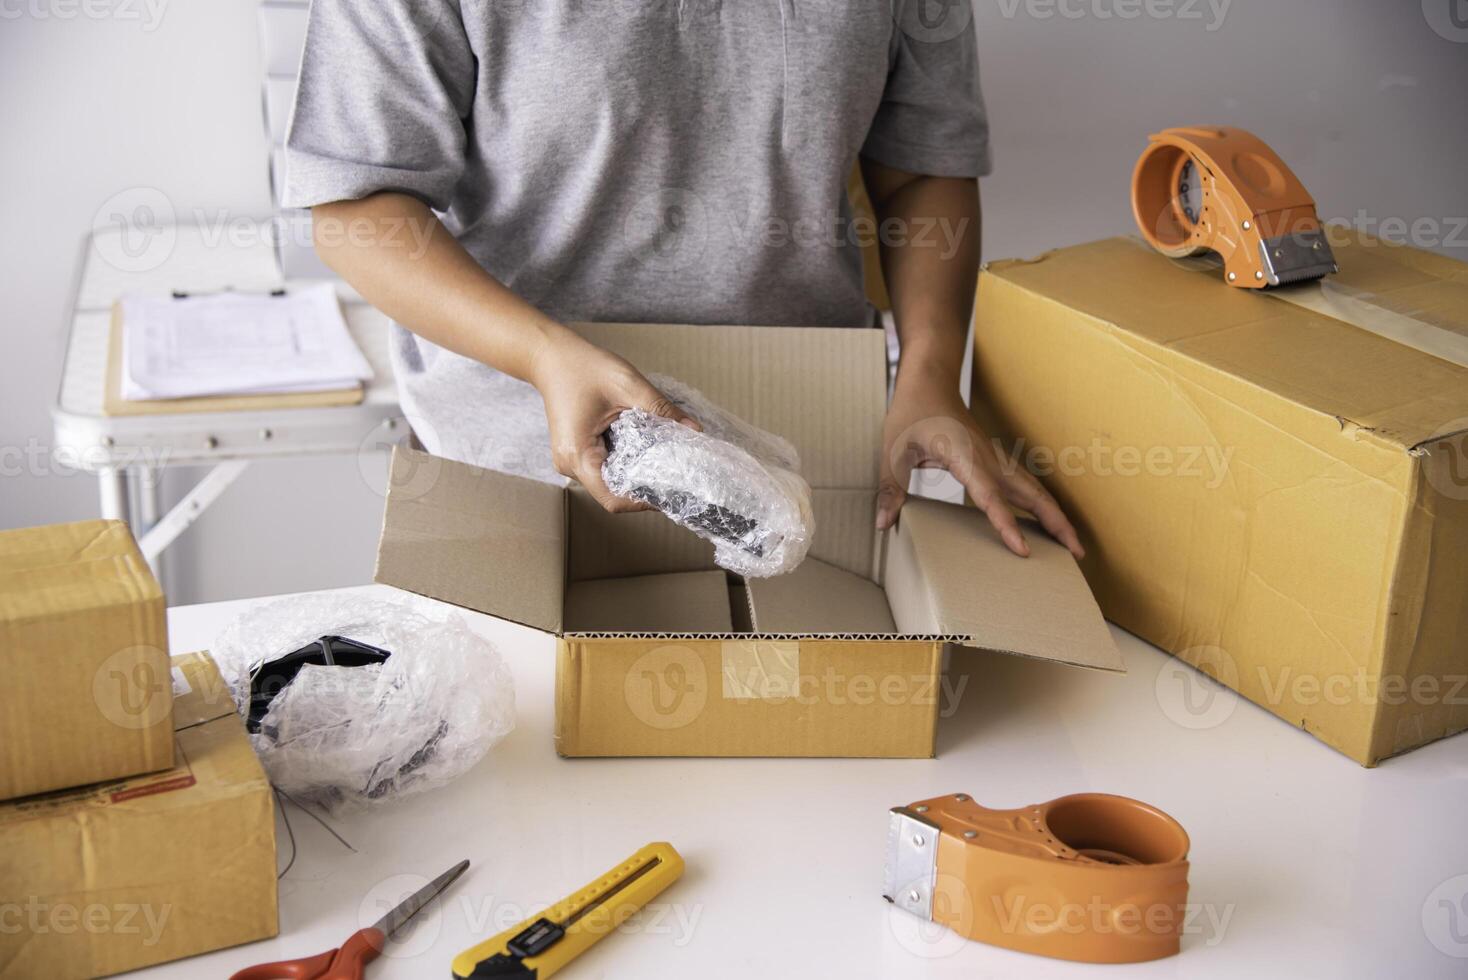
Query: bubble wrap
point(359, 736)
point(732, 484)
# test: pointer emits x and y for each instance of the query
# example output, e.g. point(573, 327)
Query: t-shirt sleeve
point(932, 120)
point(384, 92)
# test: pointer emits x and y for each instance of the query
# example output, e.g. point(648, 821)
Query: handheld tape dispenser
point(1224, 190)
point(1089, 877)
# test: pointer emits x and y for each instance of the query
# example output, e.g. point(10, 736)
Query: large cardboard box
point(1268, 490)
point(125, 874)
point(663, 654)
point(83, 659)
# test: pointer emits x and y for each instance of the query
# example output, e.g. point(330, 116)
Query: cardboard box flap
point(819, 598)
point(682, 602)
point(824, 389)
point(1324, 362)
point(200, 694)
point(475, 538)
point(948, 572)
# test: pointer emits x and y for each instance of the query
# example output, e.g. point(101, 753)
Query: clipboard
point(114, 404)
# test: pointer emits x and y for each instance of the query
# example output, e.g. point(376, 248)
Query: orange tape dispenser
point(1090, 877)
point(1224, 190)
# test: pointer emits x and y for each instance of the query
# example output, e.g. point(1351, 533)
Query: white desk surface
point(1319, 868)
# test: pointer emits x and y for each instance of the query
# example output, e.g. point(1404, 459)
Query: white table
point(1321, 868)
point(128, 453)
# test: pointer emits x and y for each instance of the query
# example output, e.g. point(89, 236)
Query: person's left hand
point(928, 426)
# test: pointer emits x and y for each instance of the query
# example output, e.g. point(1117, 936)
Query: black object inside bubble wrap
point(712, 520)
point(271, 677)
point(742, 532)
point(268, 679)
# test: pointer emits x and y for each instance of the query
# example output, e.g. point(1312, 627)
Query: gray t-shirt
point(673, 161)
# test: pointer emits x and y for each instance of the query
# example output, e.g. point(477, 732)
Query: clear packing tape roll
point(732, 484)
point(360, 736)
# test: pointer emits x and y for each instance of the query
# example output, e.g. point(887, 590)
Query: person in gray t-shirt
point(484, 172)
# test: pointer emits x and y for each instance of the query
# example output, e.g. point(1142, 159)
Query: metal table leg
point(149, 494)
point(116, 504)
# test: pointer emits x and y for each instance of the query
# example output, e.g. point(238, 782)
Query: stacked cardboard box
point(128, 873)
point(137, 825)
point(84, 657)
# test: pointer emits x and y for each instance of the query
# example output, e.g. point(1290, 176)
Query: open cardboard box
point(663, 654)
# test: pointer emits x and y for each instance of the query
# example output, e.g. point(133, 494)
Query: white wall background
point(1364, 98)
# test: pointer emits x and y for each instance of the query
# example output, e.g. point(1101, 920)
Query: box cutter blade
point(542, 944)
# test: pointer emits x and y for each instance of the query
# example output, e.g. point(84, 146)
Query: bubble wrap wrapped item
point(365, 735)
point(733, 484)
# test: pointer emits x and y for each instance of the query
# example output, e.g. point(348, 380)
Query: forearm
point(930, 262)
point(395, 252)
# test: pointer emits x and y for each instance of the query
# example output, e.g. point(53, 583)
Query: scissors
point(363, 946)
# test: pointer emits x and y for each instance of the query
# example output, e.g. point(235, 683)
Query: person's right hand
point(585, 388)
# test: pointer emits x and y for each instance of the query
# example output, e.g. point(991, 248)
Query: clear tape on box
point(361, 736)
point(733, 484)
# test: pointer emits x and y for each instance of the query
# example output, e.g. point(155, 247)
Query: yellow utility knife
point(542, 944)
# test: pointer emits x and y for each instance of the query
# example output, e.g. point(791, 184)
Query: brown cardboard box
point(1274, 494)
point(663, 654)
point(84, 658)
point(125, 874)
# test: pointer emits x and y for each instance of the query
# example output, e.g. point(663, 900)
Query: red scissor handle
point(346, 963)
